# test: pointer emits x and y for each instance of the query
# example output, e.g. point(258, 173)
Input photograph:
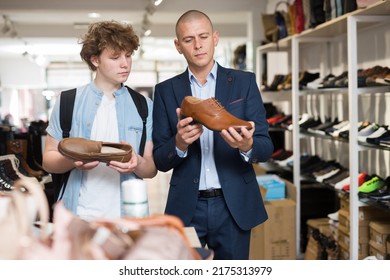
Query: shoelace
point(217, 104)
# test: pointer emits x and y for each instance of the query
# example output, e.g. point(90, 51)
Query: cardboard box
point(322, 224)
point(344, 201)
point(377, 251)
point(344, 240)
point(276, 238)
point(379, 231)
point(363, 251)
point(313, 250)
point(388, 244)
point(343, 234)
point(259, 170)
point(276, 187)
point(366, 215)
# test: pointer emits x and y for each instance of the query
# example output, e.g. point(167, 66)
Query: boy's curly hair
point(107, 34)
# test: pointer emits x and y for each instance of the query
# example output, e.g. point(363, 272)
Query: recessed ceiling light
point(147, 32)
point(94, 15)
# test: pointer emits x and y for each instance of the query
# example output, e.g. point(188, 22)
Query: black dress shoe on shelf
point(320, 129)
point(284, 120)
point(326, 168)
point(325, 79)
point(341, 175)
point(331, 83)
point(307, 77)
point(310, 123)
point(278, 79)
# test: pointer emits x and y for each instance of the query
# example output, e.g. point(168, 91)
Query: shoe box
point(388, 243)
point(276, 187)
point(366, 215)
point(322, 224)
point(275, 239)
point(344, 241)
point(344, 201)
point(379, 234)
point(313, 250)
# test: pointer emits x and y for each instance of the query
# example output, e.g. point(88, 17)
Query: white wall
point(21, 73)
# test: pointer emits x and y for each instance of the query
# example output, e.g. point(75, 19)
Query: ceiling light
point(146, 25)
point(157, 2)
point(94, 15)
point(48, 94)
point(147, 32)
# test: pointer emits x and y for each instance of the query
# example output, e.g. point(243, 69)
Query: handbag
point(278, 24)
point(159, 237)
point(27, 237)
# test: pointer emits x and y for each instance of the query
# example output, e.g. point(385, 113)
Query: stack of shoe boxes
point(388, 245)
point(276, 238)
point(366, 215)
point(379, 233)
point(313, 247)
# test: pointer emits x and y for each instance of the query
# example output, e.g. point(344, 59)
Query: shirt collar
point(212, 74)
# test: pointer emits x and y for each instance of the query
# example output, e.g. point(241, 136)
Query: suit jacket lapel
point(181, 87)
point(224, 86)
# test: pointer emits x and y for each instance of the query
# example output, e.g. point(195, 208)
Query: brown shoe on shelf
point(211, 114)
point(89, 150)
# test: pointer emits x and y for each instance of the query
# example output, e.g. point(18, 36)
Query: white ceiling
point(51, 28)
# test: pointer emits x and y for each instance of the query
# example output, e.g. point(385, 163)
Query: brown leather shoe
point(211, 114)
point(88, 150)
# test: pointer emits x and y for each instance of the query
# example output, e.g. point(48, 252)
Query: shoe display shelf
point(345, 28)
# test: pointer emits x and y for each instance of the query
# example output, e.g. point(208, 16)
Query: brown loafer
point(88, 150)
point(211, 114)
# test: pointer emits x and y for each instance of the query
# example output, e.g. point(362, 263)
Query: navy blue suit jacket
point(237, 91)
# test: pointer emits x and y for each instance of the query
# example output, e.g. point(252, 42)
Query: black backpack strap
point(67, 99)
point(66, 110)
point(142, 107)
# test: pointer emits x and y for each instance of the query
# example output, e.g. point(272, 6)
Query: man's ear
point(177, 45)
point(95, 60)
point(216, 38)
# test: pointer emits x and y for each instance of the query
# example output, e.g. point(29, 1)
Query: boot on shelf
point(18, 147)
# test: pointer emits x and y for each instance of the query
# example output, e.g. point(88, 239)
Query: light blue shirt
point(208, 172)
point(88, 99)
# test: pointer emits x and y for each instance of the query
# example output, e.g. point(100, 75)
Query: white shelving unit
point(344, 27)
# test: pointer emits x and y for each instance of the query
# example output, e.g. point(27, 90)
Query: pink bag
point(157, 237)
point(71, 238)
point(16, 225)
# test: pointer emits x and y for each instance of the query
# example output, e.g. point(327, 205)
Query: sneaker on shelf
point(372, 185)
point(367, 131)
point(381, 134)
point(363, 177)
